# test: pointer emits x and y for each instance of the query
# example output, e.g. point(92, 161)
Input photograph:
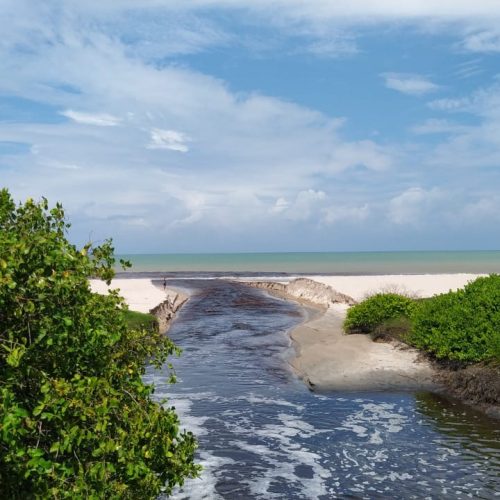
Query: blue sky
point(252, 125)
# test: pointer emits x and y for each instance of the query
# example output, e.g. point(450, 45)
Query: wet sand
point(327, 359)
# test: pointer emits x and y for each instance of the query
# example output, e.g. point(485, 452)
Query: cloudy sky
point(256, 125)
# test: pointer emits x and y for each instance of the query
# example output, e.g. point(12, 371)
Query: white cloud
point(168, 139)
point(249, 148)
point(364, 153)
point(62, 166)
point(438, 126)
point(315, 206)
point(484, 41)
point(468, 69)
point(390, 8)
point(334, 214)
point(305, 205)
point(474, 146)
point(485, 208)
point(280, 206)
point(319, 9)
point(98, 119)
point(195, 204)
point(414, 205)
point(484, 102)
point(158, 33)
point(254, 154)
point(409, 84)
point(333, 46)
point(161, 28)
point(449, 104)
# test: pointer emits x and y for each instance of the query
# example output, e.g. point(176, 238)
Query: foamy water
point(262, 434)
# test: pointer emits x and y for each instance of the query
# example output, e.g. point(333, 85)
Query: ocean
point(335, 263)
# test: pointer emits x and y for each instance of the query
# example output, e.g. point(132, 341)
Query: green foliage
point(462, 325)
point(76, 418)
point(367, 315)
point(394, 328)
point(137, 320)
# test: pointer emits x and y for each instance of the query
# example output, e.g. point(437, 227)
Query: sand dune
point(421, 285)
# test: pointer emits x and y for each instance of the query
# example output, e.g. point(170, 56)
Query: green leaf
point(15, 356)
point(69, 356)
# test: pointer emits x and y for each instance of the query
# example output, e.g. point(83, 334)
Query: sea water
point(320, 263)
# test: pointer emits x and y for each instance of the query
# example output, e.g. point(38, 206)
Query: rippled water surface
point(262, 434)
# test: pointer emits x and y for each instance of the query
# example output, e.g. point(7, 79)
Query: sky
point(256, 125)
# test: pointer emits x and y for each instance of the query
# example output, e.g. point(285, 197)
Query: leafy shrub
point(76, 418)
point(394, 328)
point(462, 325)
point(367, 315)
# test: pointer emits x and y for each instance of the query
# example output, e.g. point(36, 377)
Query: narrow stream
point(262, 434)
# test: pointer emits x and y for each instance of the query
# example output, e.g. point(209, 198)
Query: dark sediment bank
point(165, 312)
point(476, 385)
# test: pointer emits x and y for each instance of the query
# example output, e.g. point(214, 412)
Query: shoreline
point(142, 295)
point(326, 359)
point(318, 263)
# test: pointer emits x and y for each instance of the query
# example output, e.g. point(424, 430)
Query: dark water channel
point(263, 435)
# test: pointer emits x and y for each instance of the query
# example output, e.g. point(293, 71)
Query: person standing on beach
point(164, 283)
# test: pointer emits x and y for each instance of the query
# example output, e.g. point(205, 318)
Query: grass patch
point(136, 321)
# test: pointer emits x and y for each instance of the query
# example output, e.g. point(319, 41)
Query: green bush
point(76, 418)
point(394, 328)
point(462, 325)
point(367, 315)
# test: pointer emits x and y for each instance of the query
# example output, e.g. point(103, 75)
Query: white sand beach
point(421, 285)
point(139, 294)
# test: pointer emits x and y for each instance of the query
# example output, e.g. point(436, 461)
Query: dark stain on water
point(263, 435)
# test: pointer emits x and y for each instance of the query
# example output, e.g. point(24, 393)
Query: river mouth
point(263, 434)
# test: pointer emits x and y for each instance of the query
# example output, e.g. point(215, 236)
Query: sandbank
point(327, 359)
point(143, 296)
point(139, 294)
